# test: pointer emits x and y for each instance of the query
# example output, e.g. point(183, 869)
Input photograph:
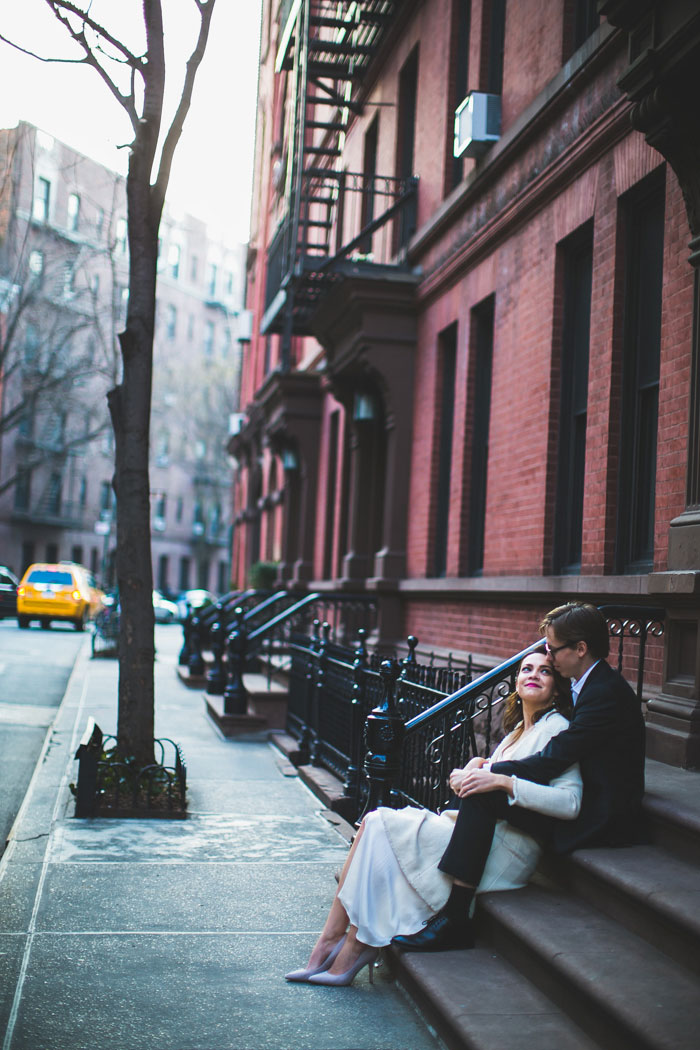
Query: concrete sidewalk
point(175, 935)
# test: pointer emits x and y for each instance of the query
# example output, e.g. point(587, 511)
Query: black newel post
point(384, 732)
point(235, 693)
point(195, 664)
point(184, 657)
point(317, 714)
point(351, 787)
point(216, 676)
point(307, 735)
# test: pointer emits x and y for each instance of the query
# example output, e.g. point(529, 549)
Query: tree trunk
point(129, 405)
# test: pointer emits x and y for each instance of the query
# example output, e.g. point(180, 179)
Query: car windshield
point(55, 576)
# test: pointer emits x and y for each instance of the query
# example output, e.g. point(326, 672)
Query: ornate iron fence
point(407, 724)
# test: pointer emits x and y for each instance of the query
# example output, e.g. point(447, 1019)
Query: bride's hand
point(457, 775)
point(477, 781)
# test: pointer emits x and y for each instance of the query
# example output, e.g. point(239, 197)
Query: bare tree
point(136, 79)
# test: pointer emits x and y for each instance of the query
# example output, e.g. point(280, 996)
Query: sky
point(212, 172)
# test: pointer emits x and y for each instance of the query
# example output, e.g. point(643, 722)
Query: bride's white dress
point(393, 884)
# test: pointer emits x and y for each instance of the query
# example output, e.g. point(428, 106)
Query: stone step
point(650, 891)
point(623, 992)
point(672, 801)
point(478, 1001)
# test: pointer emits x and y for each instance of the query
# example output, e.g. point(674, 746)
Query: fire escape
point(332, 217)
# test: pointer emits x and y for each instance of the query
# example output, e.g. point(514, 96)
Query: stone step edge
point(441, 984)
point(664, 922)
point(600, 1006)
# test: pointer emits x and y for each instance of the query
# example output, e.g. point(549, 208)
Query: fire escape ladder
point(326, 47)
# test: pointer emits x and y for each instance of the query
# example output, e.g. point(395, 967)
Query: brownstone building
point(475, 326)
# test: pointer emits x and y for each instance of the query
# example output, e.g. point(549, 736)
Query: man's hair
point(578, 622)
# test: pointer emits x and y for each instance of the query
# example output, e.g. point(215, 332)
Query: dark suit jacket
point(606, 738)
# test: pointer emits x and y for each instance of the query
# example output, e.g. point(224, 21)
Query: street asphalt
point(175, 935)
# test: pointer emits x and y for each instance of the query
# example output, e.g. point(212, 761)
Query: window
point(184, 573)
point(106, 493)
point(447, 358)
point(174, 254)
point(208, 338)
point(163, 572)
point(25, 427)
point(99, 223)
point(577, 260)
point(461, 24)
point(481, 355)
point(228, 282)
point(222, 577)
point(179, 507)
point(495, 45)
point(581, 19)
point(82, 498)
point(121, 236)
point(369, 171)
point(42, 200)
point(203, 574)
point(408, 92)
point(36, 263)
point(23, 487)
point(160, 504)
point(643, 214)
point(163, 448)
point(52, 552)
point(190, 328)
point(73, 212)
point(226, 342)
point(31, 344)
point(171, 321)
point(212, 277)
point(76, 554)
point(53, 502)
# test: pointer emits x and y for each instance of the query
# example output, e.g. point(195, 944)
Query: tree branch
point(206, 10)
point(127, 102)
point(58, 6)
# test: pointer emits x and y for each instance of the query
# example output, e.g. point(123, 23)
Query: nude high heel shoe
point(366, 958)
point(304, 975)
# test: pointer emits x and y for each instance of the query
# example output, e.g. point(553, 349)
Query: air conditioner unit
point(477, 124)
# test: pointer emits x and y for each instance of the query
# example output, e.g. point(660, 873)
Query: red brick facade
point(567, 160)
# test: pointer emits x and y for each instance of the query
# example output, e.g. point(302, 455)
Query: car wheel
point(46, 625)
point(79, 624)
point(23, 622)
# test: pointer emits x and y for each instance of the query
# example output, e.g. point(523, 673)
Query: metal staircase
point(325, 48)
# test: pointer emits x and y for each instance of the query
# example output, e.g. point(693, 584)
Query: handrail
point(276, 597)
point(470, 688)
point(285, 614)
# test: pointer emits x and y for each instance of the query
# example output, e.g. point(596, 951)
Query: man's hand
point(477, 781)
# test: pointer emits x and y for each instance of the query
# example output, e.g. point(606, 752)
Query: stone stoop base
point(232, 725)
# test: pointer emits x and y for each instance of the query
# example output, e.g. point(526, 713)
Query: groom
point(606, 738)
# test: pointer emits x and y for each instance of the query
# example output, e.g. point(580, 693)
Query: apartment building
point(474, 321)
point(64, 290)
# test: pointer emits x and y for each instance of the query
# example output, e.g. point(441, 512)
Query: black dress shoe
point(441, 934)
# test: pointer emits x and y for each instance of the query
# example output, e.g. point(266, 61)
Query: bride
point(390, 883)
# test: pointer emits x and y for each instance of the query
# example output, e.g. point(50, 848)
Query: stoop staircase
point(600, 952)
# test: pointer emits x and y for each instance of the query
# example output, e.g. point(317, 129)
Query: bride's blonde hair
point(561, 701)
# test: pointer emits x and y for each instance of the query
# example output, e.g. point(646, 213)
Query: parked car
point(164, 610)
point(50, 592)
point(8, 593)
point(195, 599)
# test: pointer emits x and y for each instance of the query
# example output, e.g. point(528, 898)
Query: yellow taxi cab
point(62, 591)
